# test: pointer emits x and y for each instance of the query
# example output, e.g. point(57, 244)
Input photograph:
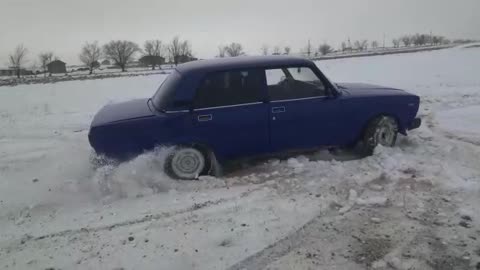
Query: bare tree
point(407, 40)
point(221, 51)
point(186, 49)
point(396, 43)
point(153, 52)
point(287, 50)
point(90, 55)
point(179, 50)
point(17, 59)
point(364, 44)
point(120, 52)
point(264, 49)
point(420, 40)
point(174, 49)
point(357, 45)
point(234, 49)
point(436, 40)
point(34, 68)
point(325, 49)
point(45, 58)
point(361, 45)
point(374, 44)
point(308, 49)
point(276, 50)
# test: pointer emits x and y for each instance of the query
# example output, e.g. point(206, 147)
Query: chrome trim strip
point(228, 106)
point(180, 111)
point(245, 104)
point(297, 99)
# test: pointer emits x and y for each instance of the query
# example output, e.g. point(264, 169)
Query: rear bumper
point(416, 123)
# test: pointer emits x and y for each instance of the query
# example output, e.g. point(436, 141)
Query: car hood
point(132, 109)
point(368, 89)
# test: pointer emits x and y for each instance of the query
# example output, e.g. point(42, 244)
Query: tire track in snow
point(432, 125)
point(131, 222)
point(263, 258)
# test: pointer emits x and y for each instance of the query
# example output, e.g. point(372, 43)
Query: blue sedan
point(231, 108)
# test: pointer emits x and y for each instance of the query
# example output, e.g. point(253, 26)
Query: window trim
point(297, 99)
point(228, 106)
point(286, 67)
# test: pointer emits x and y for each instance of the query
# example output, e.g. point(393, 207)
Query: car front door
point(301, 113)
point(229, 113)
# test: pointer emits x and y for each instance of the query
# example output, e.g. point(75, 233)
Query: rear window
point(164, 94)
point(229, 88)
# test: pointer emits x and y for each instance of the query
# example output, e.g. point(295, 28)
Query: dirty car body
point(248, 106)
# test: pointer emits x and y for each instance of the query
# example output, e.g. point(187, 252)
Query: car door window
point(293, 83)
point(229, 88)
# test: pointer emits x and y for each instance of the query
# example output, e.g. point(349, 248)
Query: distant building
point(106, 62)
point(57, 66)
point(7, 72)
point(11, 72)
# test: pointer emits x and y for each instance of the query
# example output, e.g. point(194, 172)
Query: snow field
point(411, 206)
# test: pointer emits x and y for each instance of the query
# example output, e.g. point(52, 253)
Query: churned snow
point(414, 206)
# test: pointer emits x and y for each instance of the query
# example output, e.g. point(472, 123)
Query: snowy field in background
point(414, 206)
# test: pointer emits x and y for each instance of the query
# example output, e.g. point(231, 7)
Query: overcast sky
point(62, 26)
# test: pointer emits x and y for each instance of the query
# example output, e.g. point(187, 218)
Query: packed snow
point(414, 206)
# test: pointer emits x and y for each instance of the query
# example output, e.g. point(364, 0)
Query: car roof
point(219, 64)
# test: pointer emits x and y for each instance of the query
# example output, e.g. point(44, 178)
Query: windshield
point(164, 93)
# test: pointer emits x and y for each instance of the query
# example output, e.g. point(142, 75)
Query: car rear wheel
point(382, 130)
point(185, 163)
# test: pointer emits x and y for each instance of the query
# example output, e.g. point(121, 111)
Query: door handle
point(278, 109)
point(204, 117)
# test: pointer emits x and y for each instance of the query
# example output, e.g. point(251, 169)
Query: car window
point(274, 76)
point(229, 88)
point(166, 90)
point(293, 83)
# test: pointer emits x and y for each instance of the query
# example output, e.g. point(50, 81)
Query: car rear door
point(301, 113)
point(229, 113)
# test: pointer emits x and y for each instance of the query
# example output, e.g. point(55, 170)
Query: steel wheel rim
point(386, 132)
point(188, 163)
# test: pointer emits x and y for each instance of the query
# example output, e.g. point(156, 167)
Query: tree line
point(120, 52)
point(154, 52)
point(420, 40)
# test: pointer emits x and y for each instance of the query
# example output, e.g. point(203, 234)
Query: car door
point(229, 114)
point(301, 113)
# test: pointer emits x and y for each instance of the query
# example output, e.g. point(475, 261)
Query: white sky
point(62, 26)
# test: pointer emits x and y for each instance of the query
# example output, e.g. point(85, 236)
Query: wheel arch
point(401, 128)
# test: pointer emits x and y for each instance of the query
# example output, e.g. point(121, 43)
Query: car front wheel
point(382, 130)
point(185, 163)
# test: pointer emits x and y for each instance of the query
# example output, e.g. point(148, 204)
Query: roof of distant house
point(55, 62)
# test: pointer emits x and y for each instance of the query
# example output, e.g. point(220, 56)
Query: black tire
point(376, 132)
point(174, 164)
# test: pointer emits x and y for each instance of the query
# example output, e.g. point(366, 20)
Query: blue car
point(212, 111)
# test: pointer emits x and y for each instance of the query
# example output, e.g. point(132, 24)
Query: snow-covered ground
point(82, 75)
point(414, 206)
